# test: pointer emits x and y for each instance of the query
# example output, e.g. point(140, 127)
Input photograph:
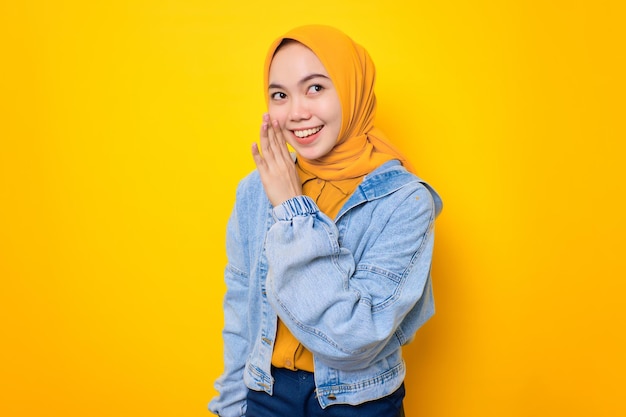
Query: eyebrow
point(302, 81)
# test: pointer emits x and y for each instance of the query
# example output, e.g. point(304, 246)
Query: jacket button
point(332, 397)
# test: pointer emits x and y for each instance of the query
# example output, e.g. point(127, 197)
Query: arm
point(345, 312)
point(230, 401)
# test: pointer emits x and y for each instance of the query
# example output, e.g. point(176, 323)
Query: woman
point(329, 253)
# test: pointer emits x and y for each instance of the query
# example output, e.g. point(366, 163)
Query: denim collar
point(384, 180)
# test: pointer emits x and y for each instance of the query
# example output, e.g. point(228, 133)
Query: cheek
point(336, 122)
point(332, 112)
point(278, 113)
point(338, 112)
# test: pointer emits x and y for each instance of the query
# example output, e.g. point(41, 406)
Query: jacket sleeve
point(347, 312)
point(231, 399)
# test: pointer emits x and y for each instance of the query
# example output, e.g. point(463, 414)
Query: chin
point(310, 154)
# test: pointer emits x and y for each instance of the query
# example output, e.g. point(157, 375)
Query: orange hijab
point(360, 147)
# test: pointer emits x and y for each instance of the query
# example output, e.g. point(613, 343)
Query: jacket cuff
point(301, 205)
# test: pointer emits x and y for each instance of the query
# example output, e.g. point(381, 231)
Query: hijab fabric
point(360, 147)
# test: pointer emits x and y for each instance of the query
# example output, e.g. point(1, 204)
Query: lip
point(307, 140)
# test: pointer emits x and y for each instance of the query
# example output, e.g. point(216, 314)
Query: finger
point(279, 144)
point(266, 147)
point(268, 129)
point(274, 135)
point(280, 137)
point(256, 155)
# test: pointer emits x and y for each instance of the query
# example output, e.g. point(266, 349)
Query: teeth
point(306, 132)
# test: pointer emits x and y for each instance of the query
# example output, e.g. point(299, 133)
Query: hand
point(275, 165)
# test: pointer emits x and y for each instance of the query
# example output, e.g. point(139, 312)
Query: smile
point(307, 132)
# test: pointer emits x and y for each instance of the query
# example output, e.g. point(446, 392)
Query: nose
point(299, 110)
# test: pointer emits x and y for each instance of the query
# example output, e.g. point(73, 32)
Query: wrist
point(299, 205)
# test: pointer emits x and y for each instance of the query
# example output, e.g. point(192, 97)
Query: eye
point(315, 88)
point(279, 95)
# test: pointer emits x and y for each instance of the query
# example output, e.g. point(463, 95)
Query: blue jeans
point(294, 396)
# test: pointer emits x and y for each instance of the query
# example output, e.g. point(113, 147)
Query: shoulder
point(250, 186)
point(394, 181)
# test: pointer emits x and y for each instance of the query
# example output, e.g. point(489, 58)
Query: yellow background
point(126, 125)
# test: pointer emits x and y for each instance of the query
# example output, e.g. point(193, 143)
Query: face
point(304, 101)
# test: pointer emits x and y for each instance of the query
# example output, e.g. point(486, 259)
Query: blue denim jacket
point(352, 291)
